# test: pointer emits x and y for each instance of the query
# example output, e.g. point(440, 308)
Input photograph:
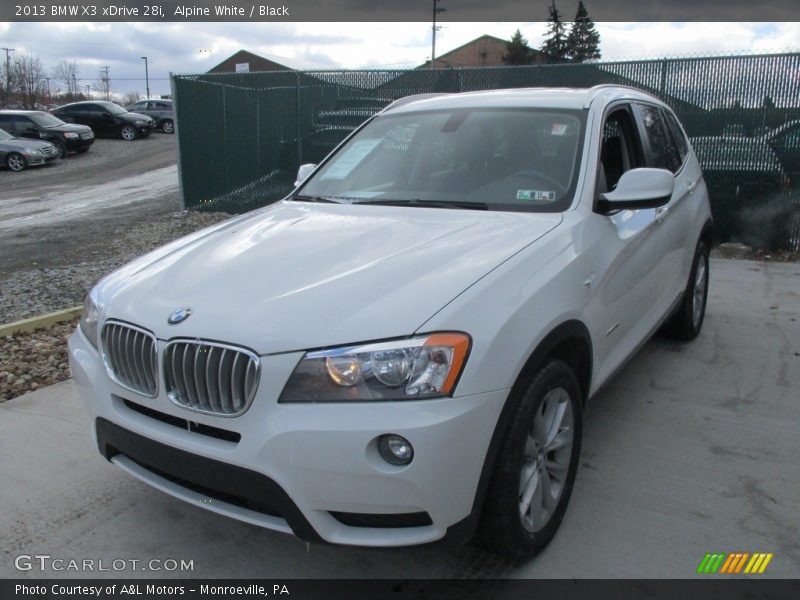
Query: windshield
point(495, 159)
point(4, 135)
point(45, 120)
point(114, 109)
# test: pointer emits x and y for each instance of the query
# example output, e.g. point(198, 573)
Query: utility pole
point(8, 68)
point(104, 78)
point(434, 28)
point(88, 91)
point(146, 77)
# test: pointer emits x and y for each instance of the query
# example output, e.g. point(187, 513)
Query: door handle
point(692, 185)
point(661, 214)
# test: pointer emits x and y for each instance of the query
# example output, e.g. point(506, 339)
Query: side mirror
point(638, 189)
point(303, 172)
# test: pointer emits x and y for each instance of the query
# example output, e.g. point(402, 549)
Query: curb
point(47, 320)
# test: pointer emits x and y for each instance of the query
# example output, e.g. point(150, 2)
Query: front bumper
point(73, 145)
point(310, 469)
point(37, 158)
point(145, 128)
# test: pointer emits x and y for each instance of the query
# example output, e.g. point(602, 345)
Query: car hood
point(24, 143)
point(135, 117)
point(69, 127)
point(296, 276)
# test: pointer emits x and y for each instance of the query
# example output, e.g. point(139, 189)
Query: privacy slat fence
point(242, 136)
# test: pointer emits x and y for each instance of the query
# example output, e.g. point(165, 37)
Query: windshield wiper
point(429, 203)
point(325, 199)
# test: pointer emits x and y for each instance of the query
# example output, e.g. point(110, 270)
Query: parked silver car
point(17, 153)
point(159, 110)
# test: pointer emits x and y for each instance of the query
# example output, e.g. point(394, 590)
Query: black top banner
point(391, 10)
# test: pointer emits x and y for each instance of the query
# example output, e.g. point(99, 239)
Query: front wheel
point(167, 126)
point(535, 469)
point(16, 162)
point(61, 148)
point(687, 322)
point(128, 133)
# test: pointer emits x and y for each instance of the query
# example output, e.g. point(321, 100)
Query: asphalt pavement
point(692, 448)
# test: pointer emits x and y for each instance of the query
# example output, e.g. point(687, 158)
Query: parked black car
point(159, 110)
point(106, 118)
point(38, 125)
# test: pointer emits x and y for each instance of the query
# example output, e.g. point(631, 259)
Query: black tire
point(62, 149)
point(686, 324)
point(501, 529)
point(16, 162)
point(167, 126)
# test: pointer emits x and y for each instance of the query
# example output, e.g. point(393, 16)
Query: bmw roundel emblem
point(179, 316)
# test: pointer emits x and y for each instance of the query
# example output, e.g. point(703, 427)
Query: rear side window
point(664, 153)
point(23, 124)
point(677, 135)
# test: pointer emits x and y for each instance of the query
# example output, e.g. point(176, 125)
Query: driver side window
point(620, 150)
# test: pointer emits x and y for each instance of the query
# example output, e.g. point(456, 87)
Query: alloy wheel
point(15, 162)
point(128, 133)
point(700, 283)
point(546, 460)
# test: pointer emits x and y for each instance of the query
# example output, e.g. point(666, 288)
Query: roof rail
point(413, 98)
point(595, 90)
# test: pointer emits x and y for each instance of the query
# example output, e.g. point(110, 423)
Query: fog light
point(395, 449)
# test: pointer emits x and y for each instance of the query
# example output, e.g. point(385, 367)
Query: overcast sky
point(196, 47)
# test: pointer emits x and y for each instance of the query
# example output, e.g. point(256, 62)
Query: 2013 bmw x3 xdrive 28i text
point(402, 348)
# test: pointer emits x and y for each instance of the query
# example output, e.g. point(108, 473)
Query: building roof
point(484, 51)
point(262, 62)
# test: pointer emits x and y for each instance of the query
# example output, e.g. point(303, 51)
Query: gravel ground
point(42, 289)
point(34, 359)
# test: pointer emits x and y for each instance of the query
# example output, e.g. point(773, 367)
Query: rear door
point(7, 123)
point(98, 118)
point(674, 220)
point(24, 127)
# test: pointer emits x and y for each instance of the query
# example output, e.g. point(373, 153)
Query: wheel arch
point(569, 341)
point(707, 233)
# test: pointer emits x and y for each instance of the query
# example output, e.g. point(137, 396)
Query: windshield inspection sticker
point(559, 129)
point(350, 158)
point(536, 195)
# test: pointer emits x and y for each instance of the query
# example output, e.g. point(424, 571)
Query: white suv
point(402, 348)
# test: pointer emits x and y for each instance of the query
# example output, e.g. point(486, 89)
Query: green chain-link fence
point(242, 136)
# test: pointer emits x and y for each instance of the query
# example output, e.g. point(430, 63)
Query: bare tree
point(27, 76)
point(130, 98)
point(67, 73)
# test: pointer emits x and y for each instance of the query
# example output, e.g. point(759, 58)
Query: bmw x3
point(402, 348)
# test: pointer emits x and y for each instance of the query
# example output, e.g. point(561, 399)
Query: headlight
point(31, 150)
point(71, 135)
point(410, 369)
point(90, 318)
